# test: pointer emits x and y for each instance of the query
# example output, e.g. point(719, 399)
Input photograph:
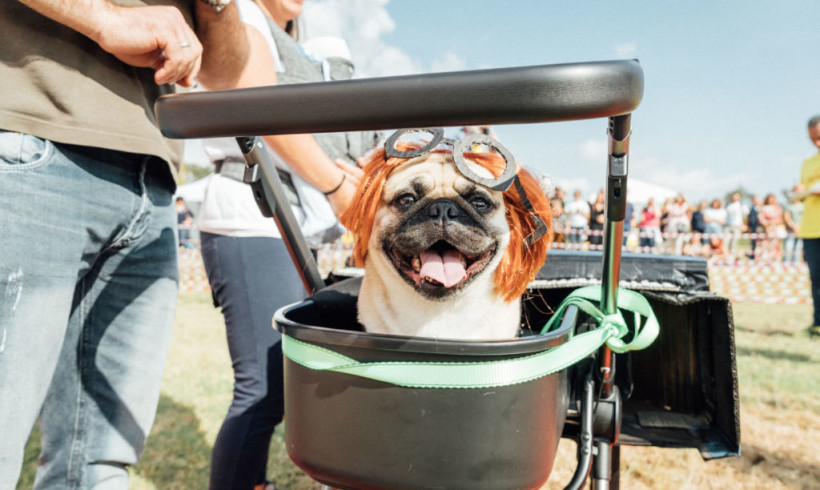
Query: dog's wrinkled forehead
point(434, 174)
point(427, 140)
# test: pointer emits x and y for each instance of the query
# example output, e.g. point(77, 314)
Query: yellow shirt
point(809, 176)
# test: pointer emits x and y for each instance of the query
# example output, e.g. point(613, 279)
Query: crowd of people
point(753, 227)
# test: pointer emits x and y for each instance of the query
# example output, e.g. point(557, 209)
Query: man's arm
point(154, 36)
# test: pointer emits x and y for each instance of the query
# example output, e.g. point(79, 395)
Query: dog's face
point(438, 231)
point(445, 255)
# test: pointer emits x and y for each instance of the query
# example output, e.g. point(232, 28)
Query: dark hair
point(292, 28)
point(814, 121)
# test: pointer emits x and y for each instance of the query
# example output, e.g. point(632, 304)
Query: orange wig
point(520, 263)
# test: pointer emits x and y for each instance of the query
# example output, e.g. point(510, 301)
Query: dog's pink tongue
point(447, 270)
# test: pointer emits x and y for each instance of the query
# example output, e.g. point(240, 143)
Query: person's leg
point(43, 198)
point(251, 278)
point(798, 250)
point(788, 247)
point(811, 252)
point(574, 236)
point(96, 417)
point(643, 239)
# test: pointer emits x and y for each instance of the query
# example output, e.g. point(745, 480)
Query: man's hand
point(154, 37)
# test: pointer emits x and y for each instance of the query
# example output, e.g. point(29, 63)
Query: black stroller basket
point(351, 432)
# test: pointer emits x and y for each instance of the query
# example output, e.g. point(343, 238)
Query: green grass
point(780, 413)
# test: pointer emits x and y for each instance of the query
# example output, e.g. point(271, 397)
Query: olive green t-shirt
point(59, 85)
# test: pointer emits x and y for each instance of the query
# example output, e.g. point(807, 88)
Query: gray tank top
point(301, 68)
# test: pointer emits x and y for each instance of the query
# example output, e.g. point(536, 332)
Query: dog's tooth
point(416, 264)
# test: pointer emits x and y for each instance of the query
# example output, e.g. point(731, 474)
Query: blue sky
point(729, 85)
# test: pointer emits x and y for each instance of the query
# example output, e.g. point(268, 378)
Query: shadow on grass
point(767, 332)
point(177, 454)
point(790, 472)
point(773, 354)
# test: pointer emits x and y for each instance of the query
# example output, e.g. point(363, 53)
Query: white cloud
point(449, 61)
point(695, 183)
point(594, 150)
point(626, 50)
point(363, 23)
point(571, 185)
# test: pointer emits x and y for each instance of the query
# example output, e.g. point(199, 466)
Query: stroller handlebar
point(545, 93)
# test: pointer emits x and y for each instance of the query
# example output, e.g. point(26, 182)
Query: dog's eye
point(480, 204)
point(405, 200)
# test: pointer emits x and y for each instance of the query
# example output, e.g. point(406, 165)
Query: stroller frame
point(547, 93)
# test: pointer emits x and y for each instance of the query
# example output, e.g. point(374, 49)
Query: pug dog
point(447, 242)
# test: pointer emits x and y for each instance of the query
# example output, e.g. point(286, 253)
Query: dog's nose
point(443, 210)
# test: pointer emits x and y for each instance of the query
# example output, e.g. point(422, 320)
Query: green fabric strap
point(611, 331)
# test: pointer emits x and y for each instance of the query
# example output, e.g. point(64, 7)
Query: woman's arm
point(300, 151)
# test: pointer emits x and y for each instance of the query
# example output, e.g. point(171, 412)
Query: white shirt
point(735, 212)
point(577, 214)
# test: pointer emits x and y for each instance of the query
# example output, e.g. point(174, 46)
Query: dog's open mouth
point(440, 268)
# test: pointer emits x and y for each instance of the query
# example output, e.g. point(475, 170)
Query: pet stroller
point(367, 411)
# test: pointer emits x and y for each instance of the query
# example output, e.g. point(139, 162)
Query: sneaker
point(813, 331)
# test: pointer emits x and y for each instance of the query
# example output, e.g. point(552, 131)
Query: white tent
point(193, 192)
point(638, 192)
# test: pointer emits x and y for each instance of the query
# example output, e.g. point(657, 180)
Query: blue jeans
point(811, 252)
point(251, 278)
point(88, 275)
point(792, 247)
point(576, 235)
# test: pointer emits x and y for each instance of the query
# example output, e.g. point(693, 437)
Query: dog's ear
point(358, 218)
point(520, 262)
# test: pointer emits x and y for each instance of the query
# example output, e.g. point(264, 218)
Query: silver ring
point(184, 44)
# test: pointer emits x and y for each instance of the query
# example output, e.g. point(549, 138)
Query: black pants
point(811, 252)
point(251, 277)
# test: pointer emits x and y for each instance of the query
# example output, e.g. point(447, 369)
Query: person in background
point(185, 219)
point(561, 195)
point(792, 216)
point(679, 216)
point(678, 220)
point(89, 256)
point(753, 224)
point(664, 214)
point(559, 220)
point(770, 219)
point(629, 220)
point(597, 212)
point(247, 263)
point(577, 213)
point(810, 225)
point(649, 225)
point(694, 246)
point(698, 223)
point(486, 130)
point(736, 213)
point(714, 247)
point(714, 218)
